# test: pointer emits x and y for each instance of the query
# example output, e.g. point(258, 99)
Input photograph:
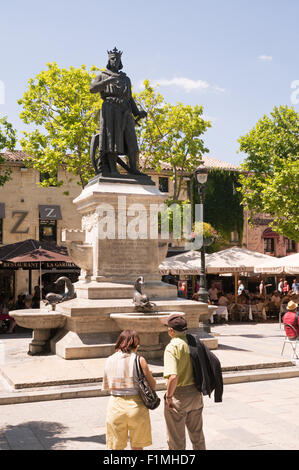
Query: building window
point(291, 245)
point(163, 184)
point(48, 230)
point(44, 176)
point(268, 245)
point(234, 237)
point(1, 231)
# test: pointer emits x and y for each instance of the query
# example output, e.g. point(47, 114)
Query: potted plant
point(205, 230)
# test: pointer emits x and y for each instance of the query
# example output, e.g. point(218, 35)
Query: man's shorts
point(127, 416)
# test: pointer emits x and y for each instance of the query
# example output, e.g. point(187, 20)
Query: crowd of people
point(263, 304)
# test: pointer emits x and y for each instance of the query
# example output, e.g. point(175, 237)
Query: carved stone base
point(121, 178)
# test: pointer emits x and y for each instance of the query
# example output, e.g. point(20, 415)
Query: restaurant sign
point(261, 221)
point(36, 265)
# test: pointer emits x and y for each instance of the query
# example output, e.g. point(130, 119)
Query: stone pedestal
point(39, 343)
point(118, 242)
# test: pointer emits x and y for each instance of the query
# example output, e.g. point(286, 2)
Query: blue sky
point(237, 58)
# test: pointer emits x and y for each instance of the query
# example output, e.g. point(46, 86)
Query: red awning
point(40, 255)
point(268, 233)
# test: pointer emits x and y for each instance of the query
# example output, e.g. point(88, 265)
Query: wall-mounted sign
point(49, 212)
point(261, 221)
point(20, 217)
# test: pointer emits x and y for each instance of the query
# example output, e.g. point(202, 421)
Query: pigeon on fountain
point(141, 301)
point(53, 298)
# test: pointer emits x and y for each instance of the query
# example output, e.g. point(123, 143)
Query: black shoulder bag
point(147, 394)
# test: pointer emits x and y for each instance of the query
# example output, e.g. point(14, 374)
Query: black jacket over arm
point(206, 368)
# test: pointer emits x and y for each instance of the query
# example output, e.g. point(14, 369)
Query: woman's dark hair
point(127, 340)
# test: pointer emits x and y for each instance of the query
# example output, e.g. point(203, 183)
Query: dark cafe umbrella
point(34, 259)
point(41, 255)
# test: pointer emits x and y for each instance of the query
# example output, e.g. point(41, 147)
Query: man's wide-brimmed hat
point(175, 321)
point(292, 306)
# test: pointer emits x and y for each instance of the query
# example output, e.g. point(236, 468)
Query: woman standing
point(126, 413)
point(286, 288)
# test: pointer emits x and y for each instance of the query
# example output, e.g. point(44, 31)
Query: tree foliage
point(59, 103)
point(170, 134)
point(7, 141)
point(270, 183)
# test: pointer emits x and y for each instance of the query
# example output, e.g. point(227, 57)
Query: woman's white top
point(118, 374)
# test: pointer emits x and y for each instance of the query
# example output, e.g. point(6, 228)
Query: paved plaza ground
point(255, 414)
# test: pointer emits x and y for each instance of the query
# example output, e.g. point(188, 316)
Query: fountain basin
point(41, 321)
point(38, 319)
point(148, 326)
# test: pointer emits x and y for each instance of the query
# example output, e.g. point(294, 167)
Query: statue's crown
point(114, 52)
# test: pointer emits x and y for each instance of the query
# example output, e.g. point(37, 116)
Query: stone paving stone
point(22, 438)
point(223, 444)
point(236, 423)
point(3, 443)
point(254, 426)
point(243, 436)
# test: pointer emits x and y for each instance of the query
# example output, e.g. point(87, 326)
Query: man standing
point(183, 402)
point(280, 286)
point(240, 287)
point(295, 286)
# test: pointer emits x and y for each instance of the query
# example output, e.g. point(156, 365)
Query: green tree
point(7, 141)
point(170, 134)
point(270, 182)
point(59, 103)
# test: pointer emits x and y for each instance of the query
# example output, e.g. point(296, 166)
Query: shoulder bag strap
point(138, 367)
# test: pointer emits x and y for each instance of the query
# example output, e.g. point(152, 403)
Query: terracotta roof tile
point(14, 156)
point(210, 162)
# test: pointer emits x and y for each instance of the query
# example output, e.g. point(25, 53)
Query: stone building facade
point(29, 211)
point(259, 236)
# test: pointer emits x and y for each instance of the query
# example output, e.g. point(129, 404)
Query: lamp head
point(201, 173)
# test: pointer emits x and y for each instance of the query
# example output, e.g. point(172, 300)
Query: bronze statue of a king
point(118, 117)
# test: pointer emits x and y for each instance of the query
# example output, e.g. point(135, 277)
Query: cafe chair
point(293, 342)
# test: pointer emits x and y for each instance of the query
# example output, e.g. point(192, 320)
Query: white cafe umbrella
point(287, 264)
point(290, 264)
point(184, 263)
point(235, 260)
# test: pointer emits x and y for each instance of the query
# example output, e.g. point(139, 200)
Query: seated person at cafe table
point(276, 299)
point(222, 299)
point(213, 293)
point(291, 318)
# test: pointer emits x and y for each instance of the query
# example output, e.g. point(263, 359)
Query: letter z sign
point(50, 212)
point(20, 216)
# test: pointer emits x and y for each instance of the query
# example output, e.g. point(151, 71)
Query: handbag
point(147, 394)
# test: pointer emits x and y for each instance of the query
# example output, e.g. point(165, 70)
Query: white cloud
point(187, 84)
point(206, 117)
point(265, 58)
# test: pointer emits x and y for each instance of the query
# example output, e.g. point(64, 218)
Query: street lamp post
point(201, 176)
